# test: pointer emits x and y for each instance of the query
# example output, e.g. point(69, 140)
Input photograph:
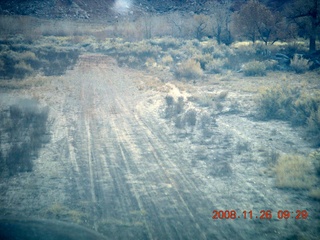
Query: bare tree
point(306, 14)
point(176, 22)
point(201, 23)
point(220, 18)
point(257, 22)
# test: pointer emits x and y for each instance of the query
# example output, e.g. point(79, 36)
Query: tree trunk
point(314, 17)
point(312, 44)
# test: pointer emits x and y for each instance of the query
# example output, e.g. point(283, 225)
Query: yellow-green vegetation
point(62, 212)
point(315, 193)
point(294, 171)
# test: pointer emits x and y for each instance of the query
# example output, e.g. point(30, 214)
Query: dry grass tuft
point(294, 171)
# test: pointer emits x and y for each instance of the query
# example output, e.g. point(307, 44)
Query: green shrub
point(189, 69)
point(299, 64)
point(254, 68)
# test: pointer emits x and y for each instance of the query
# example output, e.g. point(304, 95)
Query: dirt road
point(114, 167)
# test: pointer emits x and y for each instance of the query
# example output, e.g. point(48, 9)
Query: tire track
point(136, 181)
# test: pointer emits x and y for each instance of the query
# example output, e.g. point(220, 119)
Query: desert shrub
point(189, 69)
point(242, 146)
point(277, 102)
point(315, 158)
point(315, 193)
point(221, 169)
point(191, 117)
point(179, 122)
point(22, 69)
point(28, 56)
point(144, 50)
point(134, 54)
point(313, 123)
point(271, 64)
point(55, 61)
point(306, 110)
point(203, 59)
point(167, 60)
point(188, 118)
point(216, 65)
point(204, 124)
point(179, 106)
point(166, 42)
point(173, 107)
point(189, 49)
point(204, 99)
point(254, 68)
point(169, 100)
point(291, 104)
point(2, 65)
point(25, 125)
point(208, 48)
point(294, 171)
point(205, 121)
point(299, 64)
point(150, 62)
point(22, 60)
point(222, 95)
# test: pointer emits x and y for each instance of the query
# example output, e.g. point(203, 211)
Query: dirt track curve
point(116, 165)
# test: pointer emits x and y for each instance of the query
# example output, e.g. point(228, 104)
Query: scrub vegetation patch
point(23, 131)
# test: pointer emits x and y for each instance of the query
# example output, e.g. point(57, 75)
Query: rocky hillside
point(104, 9)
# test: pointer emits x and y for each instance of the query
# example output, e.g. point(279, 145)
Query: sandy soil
point(115, 166)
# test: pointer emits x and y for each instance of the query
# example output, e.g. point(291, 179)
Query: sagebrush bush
point(277, 102)
point(299, 64)
point(294, 171)
point(189, 69)
point(293, 105)
point(216, 65)
point(254, 68)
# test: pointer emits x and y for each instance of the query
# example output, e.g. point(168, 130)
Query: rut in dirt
point(131, 182)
